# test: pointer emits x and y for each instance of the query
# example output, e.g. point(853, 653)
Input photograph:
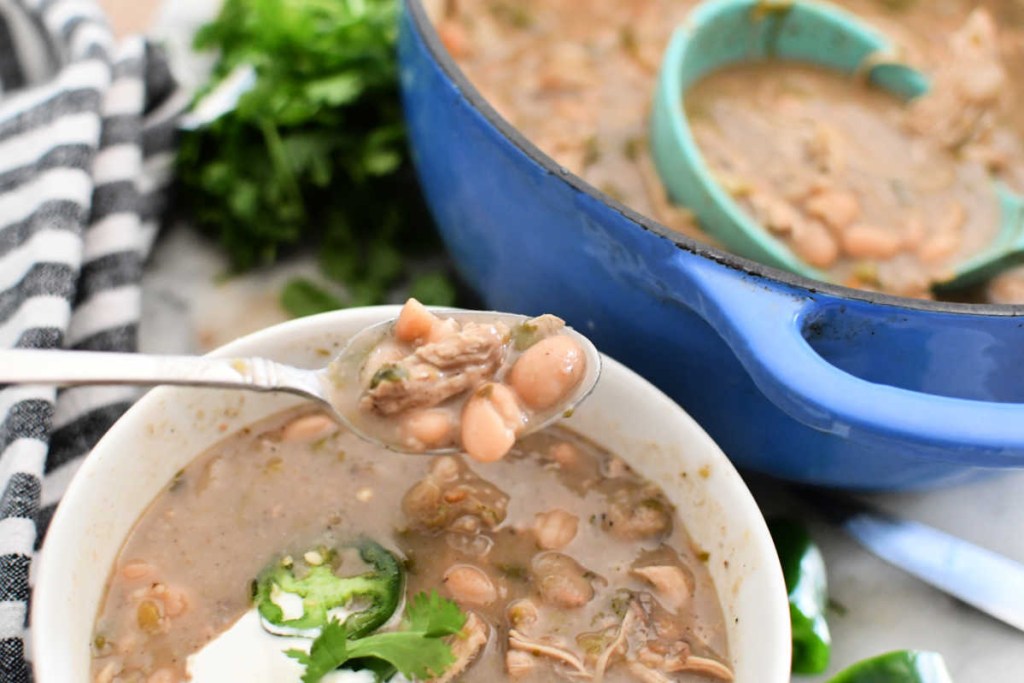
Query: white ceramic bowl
point(170, 426)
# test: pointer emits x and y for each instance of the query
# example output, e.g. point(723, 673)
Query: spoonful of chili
point(426, 382)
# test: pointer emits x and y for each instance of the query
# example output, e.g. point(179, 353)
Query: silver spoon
point(77, 368)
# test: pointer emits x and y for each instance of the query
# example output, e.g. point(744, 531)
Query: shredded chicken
point(474, 344)
point(613, 647)
point(438, 370)
point(466, 645)
point(520, 642)
point(673, 584)
point(706, 667)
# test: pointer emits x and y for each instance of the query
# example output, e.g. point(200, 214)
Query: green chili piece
point(902, 666)
point(321, 590)
point(804, 570)
point(524, 335)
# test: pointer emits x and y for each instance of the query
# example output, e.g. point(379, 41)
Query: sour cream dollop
point(247, 652)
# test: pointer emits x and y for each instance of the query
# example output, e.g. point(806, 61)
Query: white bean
point(555, 529)
point(813, 243)
point(870, 241)
point(309, 428)
point(547, 371)
point(491, 419)
point(835, 208)
point(470, 586)
point(428, 428)
point(415, 322)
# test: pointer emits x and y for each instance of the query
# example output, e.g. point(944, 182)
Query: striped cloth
point(86, 128)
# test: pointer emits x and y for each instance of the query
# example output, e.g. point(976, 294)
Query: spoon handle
point(73, 368)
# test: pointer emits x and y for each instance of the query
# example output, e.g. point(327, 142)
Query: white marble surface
point(190, 307)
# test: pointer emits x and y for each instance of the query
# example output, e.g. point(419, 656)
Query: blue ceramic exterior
point(792, 378)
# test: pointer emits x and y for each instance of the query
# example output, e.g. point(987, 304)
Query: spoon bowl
point(333, 387)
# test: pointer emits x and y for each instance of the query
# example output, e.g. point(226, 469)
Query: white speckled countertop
point(189, 308)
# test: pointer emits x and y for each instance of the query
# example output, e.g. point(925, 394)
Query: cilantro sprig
point(314, 153)
point(416, 650)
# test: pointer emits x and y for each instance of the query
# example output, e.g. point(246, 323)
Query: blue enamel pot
point(794, 378)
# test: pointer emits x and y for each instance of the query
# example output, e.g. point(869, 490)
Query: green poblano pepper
point(804, 570)
point(902, 666)
point(371, 597)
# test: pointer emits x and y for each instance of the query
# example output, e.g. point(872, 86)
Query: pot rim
point(742, 265)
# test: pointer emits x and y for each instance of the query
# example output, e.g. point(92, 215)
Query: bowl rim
point(743, 266)
point(46, 598)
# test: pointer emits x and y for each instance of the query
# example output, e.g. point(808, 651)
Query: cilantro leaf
point(417, 650)
point(412, 653)
point(328, 652)
point(434, 616)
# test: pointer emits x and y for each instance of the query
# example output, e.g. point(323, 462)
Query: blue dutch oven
point(794, 378)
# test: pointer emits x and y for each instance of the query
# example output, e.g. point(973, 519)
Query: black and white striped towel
point(86, 128)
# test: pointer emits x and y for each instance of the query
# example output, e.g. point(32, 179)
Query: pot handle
point(762, 322)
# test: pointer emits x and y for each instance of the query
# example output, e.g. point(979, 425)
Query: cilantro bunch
point(314, 153)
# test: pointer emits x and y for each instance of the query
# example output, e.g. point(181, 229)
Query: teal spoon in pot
point(721, 33)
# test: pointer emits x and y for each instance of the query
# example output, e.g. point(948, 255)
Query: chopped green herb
point(177, 481)
point(515, 572)
point(613, 191)
point(524, 335)
point(767, 8)
point(620, 602)
point(591, 151)
point(633, 147)
point(837, 607)
point(628, 41)
point(511, 13)
point(897, 5)
point(653, 504)
point(388, 373)
point(866, 272)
